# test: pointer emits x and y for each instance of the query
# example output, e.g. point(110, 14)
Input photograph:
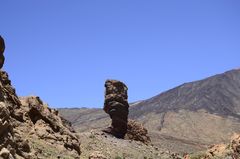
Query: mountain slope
point(184, 119)
point(217, 94)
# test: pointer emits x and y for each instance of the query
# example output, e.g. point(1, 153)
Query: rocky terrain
point(30, 129)
point(187, 118)
point(99, 145)
point(220, 151)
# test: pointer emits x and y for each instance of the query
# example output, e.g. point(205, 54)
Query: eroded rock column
point(116, 105)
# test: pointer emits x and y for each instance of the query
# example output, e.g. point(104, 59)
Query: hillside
point(187, 118)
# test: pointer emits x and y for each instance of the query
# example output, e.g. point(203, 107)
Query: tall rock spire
point(116, 105)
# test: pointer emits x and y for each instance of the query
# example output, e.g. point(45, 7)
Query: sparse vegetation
point(197, 156)
point(91, 136)
point(118, 157)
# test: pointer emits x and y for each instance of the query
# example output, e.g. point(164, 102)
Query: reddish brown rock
point(116, 105)
point(48, 126)
point(137, 132)
point(30, 117)
point(29, 128)
point(8, 102)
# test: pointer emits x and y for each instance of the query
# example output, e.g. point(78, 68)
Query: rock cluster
point(116, 105)
point(231, 150)
point(2, 48)
point(30, 129)
point(48, 127)
point(137, 132)
point(226, 151)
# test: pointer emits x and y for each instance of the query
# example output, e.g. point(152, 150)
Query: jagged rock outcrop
point(116, 105)
point(48, 127)
point(136, 131)
point(2, 48)
point(10, 141)
point(30, 129)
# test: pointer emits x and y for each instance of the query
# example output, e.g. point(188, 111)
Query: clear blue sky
point(63, 51)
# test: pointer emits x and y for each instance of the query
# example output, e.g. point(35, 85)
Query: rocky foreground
point(30, 129)
point(98, 145)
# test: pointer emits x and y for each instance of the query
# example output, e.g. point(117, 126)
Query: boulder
point(5, 153)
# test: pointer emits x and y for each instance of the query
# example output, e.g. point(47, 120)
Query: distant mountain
point(184, 119)
point(217, 94)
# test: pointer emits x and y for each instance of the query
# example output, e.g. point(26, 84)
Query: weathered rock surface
point(8, 103)
point(48, 127)
point(137, 132)
point(116, 105)
point(30, 129)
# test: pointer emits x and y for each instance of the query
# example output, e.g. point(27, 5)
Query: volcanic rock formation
point(116, 105)
point(11, 143)
point(2, 48)
point(29, 128)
